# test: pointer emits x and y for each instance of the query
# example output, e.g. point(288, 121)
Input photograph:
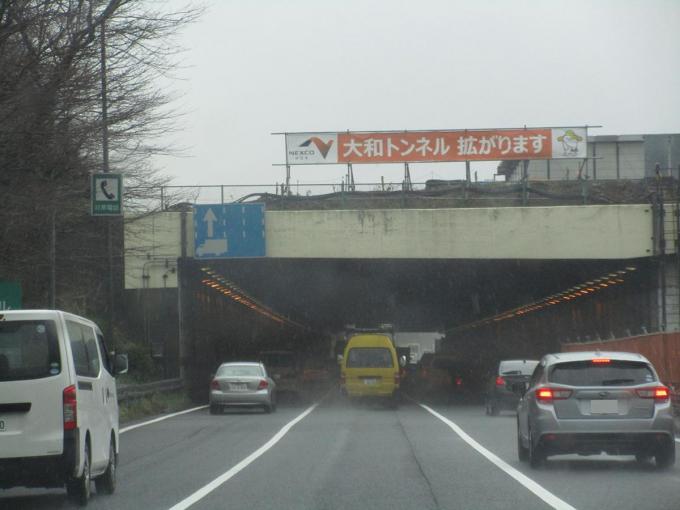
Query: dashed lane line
point(217, 482)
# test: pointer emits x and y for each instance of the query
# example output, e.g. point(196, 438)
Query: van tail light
point(659, 393)
point(263, 385)
point(397, 378)
point(70, 408)
point(500, 381)
point(343, 379)
point(547, 395)
point(425, 373)
point(214, 385)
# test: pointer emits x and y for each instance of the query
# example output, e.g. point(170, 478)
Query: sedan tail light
point(263, 385)
point(546, 395)
point(214, 385)
point(70, 408)
point(500, 381)
point(659, 393)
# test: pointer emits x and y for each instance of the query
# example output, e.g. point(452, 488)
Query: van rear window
point(28, 350)
point(369, 357)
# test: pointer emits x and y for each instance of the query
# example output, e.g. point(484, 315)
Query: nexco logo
point(321, 146)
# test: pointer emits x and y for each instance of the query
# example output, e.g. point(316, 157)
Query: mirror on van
point(402, 361)
point(120, 364)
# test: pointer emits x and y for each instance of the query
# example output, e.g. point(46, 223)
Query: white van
point(58, 405)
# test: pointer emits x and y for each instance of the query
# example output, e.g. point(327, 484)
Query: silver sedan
point(242, 384)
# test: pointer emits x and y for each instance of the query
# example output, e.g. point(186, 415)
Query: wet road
point(342, 456)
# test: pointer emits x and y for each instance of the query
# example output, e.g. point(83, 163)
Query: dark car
point(508, 384)
point(284, 368)
point(442, 376)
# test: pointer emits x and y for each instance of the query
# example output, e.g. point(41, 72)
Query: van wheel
point(78, 489)
point(106, 483)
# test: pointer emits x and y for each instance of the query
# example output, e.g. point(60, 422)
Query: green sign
point(10, 296)
point(107, 194)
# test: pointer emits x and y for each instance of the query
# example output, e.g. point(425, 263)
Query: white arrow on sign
point(210, 218)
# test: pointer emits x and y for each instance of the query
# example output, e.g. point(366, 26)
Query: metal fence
point(127, 392)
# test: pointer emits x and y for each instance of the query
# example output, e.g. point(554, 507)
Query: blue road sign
point(229, 230)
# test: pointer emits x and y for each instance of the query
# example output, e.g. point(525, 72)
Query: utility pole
point(106, 169)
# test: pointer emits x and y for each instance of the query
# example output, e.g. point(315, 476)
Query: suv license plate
point(604, 407)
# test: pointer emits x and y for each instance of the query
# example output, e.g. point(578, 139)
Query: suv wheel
point(665, 455)
point(536, 455)
point(522, 451)
point(106, 483)
point(79, 488)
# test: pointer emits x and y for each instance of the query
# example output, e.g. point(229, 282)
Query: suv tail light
point(214, 385)
point(500, 381)
point(659, 393)
point(263, 385)
point(70, 408)
point(546, 395)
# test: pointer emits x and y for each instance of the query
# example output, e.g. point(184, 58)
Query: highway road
point(340, 456)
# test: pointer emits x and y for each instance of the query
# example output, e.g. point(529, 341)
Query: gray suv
point(593, 402)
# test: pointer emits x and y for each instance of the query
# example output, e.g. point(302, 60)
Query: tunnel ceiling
point(415, 295)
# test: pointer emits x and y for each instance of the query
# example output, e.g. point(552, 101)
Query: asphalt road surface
point(341, 456)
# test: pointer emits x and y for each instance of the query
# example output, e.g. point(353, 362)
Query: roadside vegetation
point(154, 404)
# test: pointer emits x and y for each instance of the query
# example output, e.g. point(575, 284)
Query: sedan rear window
point(240, 371)
point(614, 373)
point(369, 357)
point(28, 350)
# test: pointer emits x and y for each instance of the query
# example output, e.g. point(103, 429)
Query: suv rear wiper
point(613, 382)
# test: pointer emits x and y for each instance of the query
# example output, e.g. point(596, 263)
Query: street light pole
point(106, 169)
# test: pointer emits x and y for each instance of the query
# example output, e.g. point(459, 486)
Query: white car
point(58, 405)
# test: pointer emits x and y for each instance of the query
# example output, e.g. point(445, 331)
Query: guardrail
point(133, 391)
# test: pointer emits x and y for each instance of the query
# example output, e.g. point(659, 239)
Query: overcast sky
point(258, 66)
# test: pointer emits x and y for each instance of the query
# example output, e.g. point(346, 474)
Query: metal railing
point(128, 392)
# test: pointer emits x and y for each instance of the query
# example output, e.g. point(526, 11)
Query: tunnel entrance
point(487, 309)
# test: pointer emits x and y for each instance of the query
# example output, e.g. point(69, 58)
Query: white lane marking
point(161, 418)
point(527, 482)
point(208, 488)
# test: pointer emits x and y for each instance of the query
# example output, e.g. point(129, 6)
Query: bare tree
point(51, 126)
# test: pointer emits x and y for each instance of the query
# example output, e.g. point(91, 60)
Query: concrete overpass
point(590, 232)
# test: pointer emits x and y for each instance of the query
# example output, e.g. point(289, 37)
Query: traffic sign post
point(229, 231)
point(107, 194)
point(10, 296)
